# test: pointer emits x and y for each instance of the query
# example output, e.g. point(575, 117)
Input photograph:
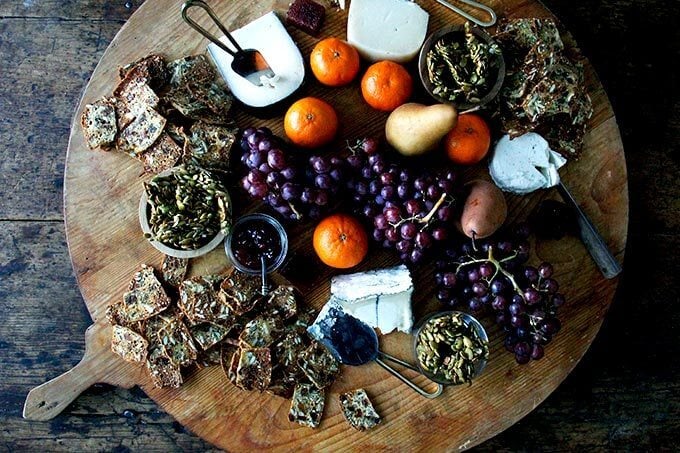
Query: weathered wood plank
point(42, 80)
point(66, 10)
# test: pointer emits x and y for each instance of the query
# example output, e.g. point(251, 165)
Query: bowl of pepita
point(451, 347)
point(461, 65)
point(185, 211)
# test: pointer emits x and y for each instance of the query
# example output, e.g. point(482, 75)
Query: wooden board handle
point(98, 364)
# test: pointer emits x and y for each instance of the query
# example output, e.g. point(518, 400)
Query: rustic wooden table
point(624, 393)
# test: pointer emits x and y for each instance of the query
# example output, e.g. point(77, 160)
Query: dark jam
point(254, 239)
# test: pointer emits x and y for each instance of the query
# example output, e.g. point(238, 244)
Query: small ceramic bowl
point(144, 212)
point(424, 76)
point(243, 222)
point(468, 320)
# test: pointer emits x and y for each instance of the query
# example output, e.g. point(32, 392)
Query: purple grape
point(255, 159)
point(444, 213)
point(499, 303)
point(374, 187)
point(386, 178)
point(378, 167)
point(433, 192)
point(258, 190)
point(275, 199)
point(404, 175)
point(443, 295)
point(387, 192)
point(423, 239)
point(248, 132)
point(412, 207)
point(336, 174)
point(475, 304)
point(276, 159)
point(308, 195)
point(473, 275)
point(264, 145)
point(245, 183)
point(391, 234)
point(274, 179)
point(439, 234)
point(366, 172)
point(403, 191)
point(522, 348)
point(532, 296)
point(380, 222)
point(522, 359)
point(370, 211)
point(378, 235)
point(487, 270)
point(361, 188)
point(449, 279)
point(516, 309)
point(369, 145)
point(545, 270)
point(497, 286)
point(518, 321)
point(558, 300)
point(537, 352)
point(379, 200)
point(408, 230)
point(354, 161)
point(403, 246)
point(550, 326)
point(265, 168)
point(265, 132)
point(320, 165)
point(323, 181)
point(392, 214)
point(480, 288)
point(531, 274)
point(420, 184)
point(290, 191)
point(289, 173)
point(549, 285)
point(321, 198)
point(416, 255)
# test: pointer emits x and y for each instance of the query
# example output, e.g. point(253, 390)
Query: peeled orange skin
point(386, 85)
point(334, 62)
point(340, 241)
point(469, 141)
point(310, 122)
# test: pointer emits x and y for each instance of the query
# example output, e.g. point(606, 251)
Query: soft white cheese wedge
point(386, 29)
point(380, 298)
point(268, 35)
point(525, 164)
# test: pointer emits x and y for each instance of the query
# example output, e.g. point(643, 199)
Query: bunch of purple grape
point(410, 211)
point(292, 188)
point(493, 274)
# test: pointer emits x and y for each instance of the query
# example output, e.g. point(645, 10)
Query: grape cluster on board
point(409, 210)
point(293, 189)
point(493, 275)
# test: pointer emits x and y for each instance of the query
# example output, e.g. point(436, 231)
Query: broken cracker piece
point(208, 334)
point(358, 410)
point(254, 370)
point(240, 291)
point(209, 146)
point(281, 302)
point(99, 123)
point(174, 269)
point(177, 342)
point(162, 155)
point(194, 68)
point(287, 349)
point(128, 344)
point(261, 332)
point(319, 365)
point(141, 133)
point(306, 407)
point(162, 371)
point(152, 69)
point(198, 300)
point(145, 298)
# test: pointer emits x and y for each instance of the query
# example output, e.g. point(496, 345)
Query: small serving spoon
point(355, 343)
point(248, 63)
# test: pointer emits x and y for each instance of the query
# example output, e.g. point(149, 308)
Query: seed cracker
point(261, 332)
point(209, 145)
point(358, 410)
point(162, 371)
point(128, 344)
point(319, 365)
point(146, 296)
point(141, 133)
point(254, 371)
point(177, 343)
point(306, 407)
point(162, 155)
point(174, 269)
point(99, 123)
point(208, 334)
point(240, 291)
point(281, 302)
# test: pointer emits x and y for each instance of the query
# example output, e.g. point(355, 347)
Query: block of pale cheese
point(381, 298)
point(268, 35)
point(386, 29)
point(524, 164)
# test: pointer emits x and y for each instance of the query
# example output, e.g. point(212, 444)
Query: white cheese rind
point(524, 164)
point(380, 298)
point(267, 35)
point(386, 29)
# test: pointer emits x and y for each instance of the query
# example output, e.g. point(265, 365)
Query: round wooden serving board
point(101, 192)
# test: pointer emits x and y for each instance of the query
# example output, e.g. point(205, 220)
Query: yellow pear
point(414, 129)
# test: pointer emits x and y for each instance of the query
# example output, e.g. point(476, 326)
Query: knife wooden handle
point(98, 364)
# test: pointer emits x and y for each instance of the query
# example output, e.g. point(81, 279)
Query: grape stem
point(424, 220)
point(491, 259)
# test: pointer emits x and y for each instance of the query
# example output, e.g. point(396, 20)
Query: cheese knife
point(590, 237)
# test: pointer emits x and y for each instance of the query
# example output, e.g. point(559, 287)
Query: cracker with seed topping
point(163, 372)
point(174, 269)
point(306, 407)
point(128, 344)
point(319, 365)
point(145, 297)
point(358, 410)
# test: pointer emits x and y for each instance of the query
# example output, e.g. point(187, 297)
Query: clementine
point(386, 85)
point(310, 122)
point(468, 142)
point(334, 62)
point(340, 241)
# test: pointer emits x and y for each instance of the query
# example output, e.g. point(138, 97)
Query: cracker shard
point(210, 146)
point(240, 291)
point(99, 123)
point(306, 407)
point(141, 133)
point(199, 302)
point(163, 372)
point(145, 297)
point(128, 344)
point(162, 155)
point(177, 343)
point(287, 350)
point(282, 302)
point(174, 269)
point(254, 370)
point(319, 365)
point(151, 69)
point(208, 334)
point(261, 332)
point(358, 410)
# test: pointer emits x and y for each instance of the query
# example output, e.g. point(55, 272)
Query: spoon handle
point(592, 240)
point(379, 360)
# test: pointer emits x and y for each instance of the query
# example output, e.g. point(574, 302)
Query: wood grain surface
point(621, 395)
point(101, 191)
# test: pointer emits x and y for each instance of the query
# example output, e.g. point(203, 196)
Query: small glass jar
point(468, 320)
point(253, 235)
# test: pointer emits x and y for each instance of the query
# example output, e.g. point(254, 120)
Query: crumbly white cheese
point(380, 298)
point(386, 29)
point(524, 164)
point(267, 35)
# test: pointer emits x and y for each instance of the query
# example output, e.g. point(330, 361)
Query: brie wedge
point(267, 35)
point(386, 29)
point(380, 298)
point(524, 164)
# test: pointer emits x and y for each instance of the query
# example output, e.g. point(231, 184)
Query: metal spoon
point(248, 63)
point(471, 18)
point(263, 275)
point(355, 343)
